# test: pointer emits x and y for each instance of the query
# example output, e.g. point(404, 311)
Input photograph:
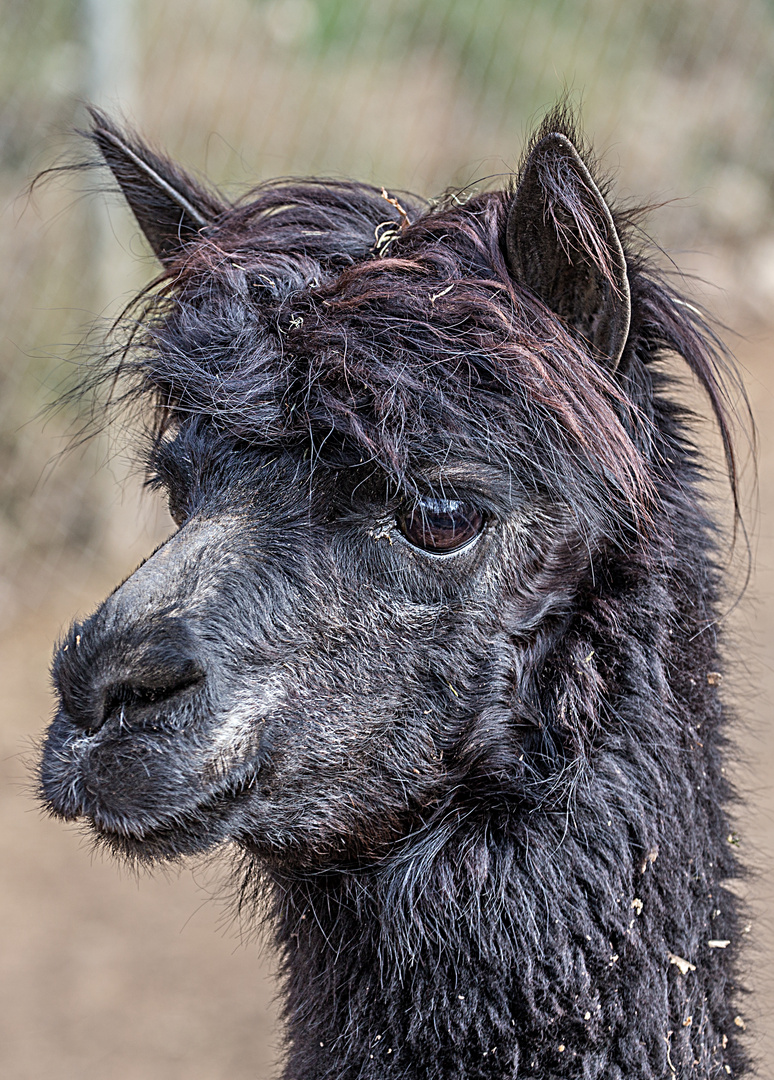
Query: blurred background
point(102, 975)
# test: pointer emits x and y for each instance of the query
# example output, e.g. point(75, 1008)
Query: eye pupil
point(440, 525)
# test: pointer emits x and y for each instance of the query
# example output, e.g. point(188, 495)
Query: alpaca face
point(289, 669)
point(391, 467)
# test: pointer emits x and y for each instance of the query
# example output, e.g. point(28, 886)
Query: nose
point(138, 672)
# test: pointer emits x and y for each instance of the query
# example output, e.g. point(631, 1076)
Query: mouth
point(148, 798)
point(207, 824)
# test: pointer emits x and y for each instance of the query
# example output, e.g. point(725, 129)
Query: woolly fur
point(479, 798)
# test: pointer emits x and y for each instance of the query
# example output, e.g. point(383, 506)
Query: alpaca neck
point(375, 992)
point(554, 939)
point(506, 958)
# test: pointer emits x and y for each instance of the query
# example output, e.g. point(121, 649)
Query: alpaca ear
point(562, 243)
point(170, 207)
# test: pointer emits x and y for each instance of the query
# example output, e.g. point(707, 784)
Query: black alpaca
point(434, 643)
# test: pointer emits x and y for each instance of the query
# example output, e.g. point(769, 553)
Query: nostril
point(131, 673)
point(135, 698)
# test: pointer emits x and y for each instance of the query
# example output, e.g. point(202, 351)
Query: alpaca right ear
point(562, 243)
point(170, 207)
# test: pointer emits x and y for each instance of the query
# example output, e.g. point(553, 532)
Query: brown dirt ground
point(105, 976)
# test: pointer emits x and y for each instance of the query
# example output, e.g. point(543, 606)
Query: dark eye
point(440, 525)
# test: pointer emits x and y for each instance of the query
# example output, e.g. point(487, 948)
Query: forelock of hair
point(332, 314)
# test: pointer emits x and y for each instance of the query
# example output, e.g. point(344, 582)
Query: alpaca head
point(397, 441)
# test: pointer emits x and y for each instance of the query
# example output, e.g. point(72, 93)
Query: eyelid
point(440, 505)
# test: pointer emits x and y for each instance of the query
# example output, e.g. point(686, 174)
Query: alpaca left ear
point(562, 243)
point(171, 207)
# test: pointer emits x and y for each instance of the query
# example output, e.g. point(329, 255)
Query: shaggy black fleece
point(435, 642)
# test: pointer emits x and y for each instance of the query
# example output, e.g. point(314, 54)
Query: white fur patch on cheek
point(235, 738)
